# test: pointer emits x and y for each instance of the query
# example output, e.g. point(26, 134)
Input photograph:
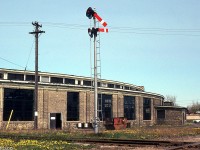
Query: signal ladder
point(99, 103)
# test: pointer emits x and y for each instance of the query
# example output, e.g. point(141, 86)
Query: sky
point(154, 43)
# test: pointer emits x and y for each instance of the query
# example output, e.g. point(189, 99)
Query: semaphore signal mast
point(90, 13)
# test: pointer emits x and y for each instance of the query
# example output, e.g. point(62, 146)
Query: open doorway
point(55, 121)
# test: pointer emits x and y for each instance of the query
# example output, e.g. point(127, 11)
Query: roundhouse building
point(66, 100)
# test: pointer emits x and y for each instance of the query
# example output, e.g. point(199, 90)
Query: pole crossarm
point(37, 32)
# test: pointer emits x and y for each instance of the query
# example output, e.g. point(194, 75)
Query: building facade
point(66, 100)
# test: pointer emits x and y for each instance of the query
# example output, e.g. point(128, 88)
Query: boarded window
point(103, 85)
point(132, 88)
point(146, 109)
point(72, 106)
point(12, 76)
point(129, 107)
point(21, 102)
point(105, 104)
point(160, 114)
point(69, 81)
point(44, 79)
point(56, 80)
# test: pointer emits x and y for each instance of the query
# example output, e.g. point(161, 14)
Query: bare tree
point(171, 98)
point(194, 107)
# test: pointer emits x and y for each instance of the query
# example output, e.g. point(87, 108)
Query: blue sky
point(151, 43)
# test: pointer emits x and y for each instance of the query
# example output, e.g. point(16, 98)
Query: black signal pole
point(36, 32)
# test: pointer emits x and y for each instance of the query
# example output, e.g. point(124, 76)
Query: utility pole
point(36, 32)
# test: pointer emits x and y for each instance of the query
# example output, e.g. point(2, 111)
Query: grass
point(38, 145)
point(57, 139)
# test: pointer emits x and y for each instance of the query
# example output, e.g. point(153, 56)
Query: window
point(12, 76)
point(129, 107)
point(117, 86)
point(87, 83)
point(126, 88)
point(146, 109)
point(21, 102)
point(72, 106)
point(160, 114)
point(69, 81)
point(31, 78)
point(105, 104)
point(1, 75)
point(111, 85)
point(56, 80)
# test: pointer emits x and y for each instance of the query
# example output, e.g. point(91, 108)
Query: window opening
point(146, 109)
point(12, 76)
point(72, 106)
point(21, 102)
point(87, 83)
point(56, 80)
point(70, 81)
point(129, 107)
point(106, 106)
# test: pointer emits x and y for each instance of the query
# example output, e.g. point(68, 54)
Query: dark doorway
point(55, 121)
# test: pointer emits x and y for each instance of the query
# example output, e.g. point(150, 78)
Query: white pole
point(96, 129)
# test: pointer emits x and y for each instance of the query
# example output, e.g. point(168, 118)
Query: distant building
point(67, 100)
point(171, 115)
point(168, 103)
point(193, 118)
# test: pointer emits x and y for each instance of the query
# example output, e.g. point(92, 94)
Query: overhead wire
point(126, 30)
point(11, 62)
point(29, 56)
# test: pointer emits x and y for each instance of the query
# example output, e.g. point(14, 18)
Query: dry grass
point(54, 138)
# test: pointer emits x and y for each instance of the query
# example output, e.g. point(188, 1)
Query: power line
point(11, 62)
point(126, 30)
point(29, 55)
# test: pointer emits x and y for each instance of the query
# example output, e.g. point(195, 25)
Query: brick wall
point(115, 105)
point(1, 106)
point(174, 117)
point(53, 100)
